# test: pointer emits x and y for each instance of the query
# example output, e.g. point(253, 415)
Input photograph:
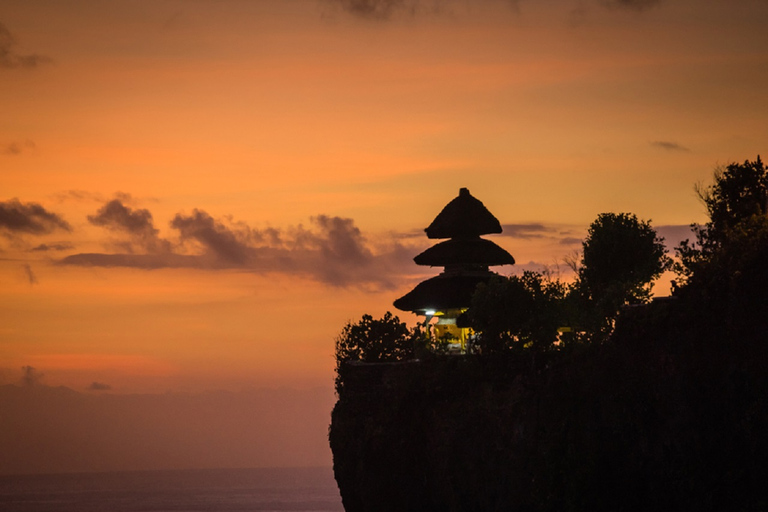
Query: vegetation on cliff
point(657, 407)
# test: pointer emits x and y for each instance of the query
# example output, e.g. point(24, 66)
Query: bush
point(371, 341)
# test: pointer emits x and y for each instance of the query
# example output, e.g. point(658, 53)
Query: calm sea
point(225, 490)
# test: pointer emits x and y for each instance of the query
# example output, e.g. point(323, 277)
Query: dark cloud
point(219, 241)
point(115, 215)
point(343, 256)
point(341, 240)
point(137, 223)
point(9, 59)
point(142, 261)
point(31, 218)
point(60, 246)
point(388, 9)
point(17, 148)
point(98, 386)
point(636, 5)
point(570, 240)
point(331, 249)
point(30, 276)
point(669, 146)
point(375, 9)
point(526, 231)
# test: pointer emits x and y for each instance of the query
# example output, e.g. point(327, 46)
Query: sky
point(197, 195)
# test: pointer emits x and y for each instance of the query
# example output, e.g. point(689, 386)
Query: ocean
point(209, 490)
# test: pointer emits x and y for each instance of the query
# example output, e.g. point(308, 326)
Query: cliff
point(671, 414)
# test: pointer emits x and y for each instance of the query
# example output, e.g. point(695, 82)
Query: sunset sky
point(197, 195)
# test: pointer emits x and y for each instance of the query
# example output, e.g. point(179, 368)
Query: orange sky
point(273, 162)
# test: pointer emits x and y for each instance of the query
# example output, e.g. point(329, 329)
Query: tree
point(517, 312)
point(622, 256)
point(738, 195)
point(724, 269)
point(370, 340)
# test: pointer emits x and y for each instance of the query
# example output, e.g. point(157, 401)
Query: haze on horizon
point(198, 195)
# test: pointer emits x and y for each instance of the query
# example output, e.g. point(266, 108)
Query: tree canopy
point(735, 201)
point(518, 312)
point(622, 257)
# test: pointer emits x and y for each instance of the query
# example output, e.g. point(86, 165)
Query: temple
point(465, 258)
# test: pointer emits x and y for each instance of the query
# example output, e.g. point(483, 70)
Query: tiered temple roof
point(465, 256)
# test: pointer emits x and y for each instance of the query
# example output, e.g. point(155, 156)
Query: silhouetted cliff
point(670, 414)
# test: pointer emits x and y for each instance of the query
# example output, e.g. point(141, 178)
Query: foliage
point(735, 202)
point(622, 256)
point(518, 311)
point(370, 340)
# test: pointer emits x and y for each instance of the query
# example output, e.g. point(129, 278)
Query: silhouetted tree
point(518, 312)
point(622, 256)
point(735, 202)
point(375, 340)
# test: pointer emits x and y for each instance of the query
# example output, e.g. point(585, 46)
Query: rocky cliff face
point(671, 415)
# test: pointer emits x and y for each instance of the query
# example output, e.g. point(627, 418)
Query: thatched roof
point(465, 251)
point(465, 216)
point(446, 291)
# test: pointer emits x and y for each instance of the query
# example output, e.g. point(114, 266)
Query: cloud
point(342, 253)
point(9, 59)
point(669, 146)
point(388, 9)
point(80, 196)
point(60, 246)
point(16, 148)
point(375, 9)
point(141, 261)
point(330, 249)
point(224, 244)
point(137, 223)
point(98, 386)
point(31, 218)
point(636, 5)
point(570, 240)
point(31, 277)
point(526, 231)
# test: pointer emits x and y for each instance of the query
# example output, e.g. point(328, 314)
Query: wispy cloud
point(669, 146)
point(30, 218)
point(388, 9)
point(10, 59)
point(636, 5)
point(58, 246)
point(527, 231)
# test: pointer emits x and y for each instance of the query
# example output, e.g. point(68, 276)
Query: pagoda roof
point(446, 291)
point(465, 251)
point(464, 216)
